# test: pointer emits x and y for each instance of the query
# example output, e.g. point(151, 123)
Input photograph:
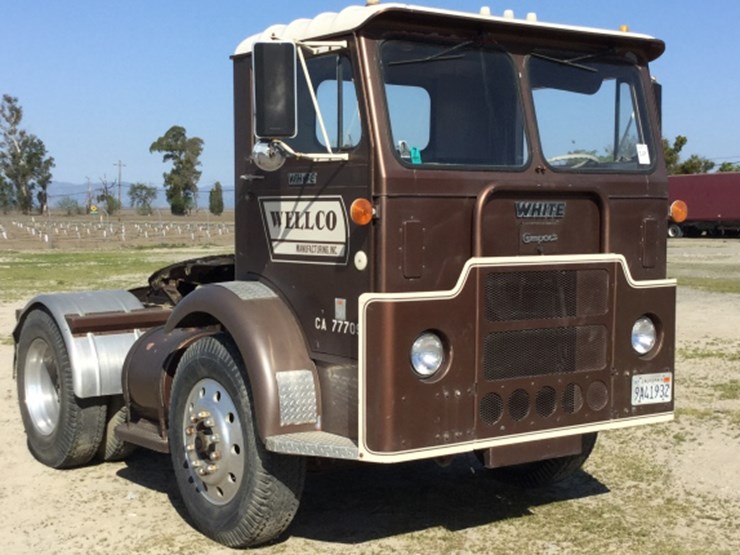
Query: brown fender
point(270, 341)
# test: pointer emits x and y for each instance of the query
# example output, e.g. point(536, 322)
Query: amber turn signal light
point(361, 211)
point(678, 211)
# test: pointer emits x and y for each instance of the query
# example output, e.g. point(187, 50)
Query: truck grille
point(542, 295)
point(545, 338)
point(524, 353)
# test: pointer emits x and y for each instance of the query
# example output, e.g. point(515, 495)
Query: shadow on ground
point(353, 503)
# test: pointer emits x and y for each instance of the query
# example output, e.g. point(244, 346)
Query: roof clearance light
point(508, 14)
point(678, 211)
point(361, 211)
point(532, 17)
point(624, 28)
point(485, 10)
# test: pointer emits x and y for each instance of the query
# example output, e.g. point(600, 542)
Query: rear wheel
point(543, 473)
point(674, 230)
point(61, 429)
point(235, 491)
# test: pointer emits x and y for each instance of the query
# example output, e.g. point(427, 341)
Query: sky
point(100, 80)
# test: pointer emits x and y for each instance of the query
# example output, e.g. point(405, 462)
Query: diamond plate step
point(313, 444)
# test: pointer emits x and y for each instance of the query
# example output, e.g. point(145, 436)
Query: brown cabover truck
point(450, 239)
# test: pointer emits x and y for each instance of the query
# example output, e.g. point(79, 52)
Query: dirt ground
point(668, 488)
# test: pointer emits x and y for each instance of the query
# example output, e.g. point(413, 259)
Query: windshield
point(453, 104)
point(590, 113)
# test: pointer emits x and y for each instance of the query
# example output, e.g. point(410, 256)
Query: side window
point(336, 96)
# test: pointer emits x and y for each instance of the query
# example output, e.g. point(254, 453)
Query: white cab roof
point(353, 17)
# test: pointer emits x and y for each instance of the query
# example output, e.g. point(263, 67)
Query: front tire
point(62, 430)
point(235, 491)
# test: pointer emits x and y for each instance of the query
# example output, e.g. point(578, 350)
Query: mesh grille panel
point(597, 396)
point(541, 295)
point(491, 408)
point(572, 398)
point(524, 353)
point(546, 401)
point(519, 404)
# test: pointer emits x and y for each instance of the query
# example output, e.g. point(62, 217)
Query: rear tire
point(111, 448)
point(235, 491)
point(62, 430)
point(543, 473)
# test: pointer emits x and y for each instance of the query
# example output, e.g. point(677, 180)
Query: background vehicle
point(435, 255)
point(713, 202)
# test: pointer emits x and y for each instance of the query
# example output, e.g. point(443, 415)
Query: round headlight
point(427, 354)
point(644, 335)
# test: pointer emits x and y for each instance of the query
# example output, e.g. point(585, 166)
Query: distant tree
point(107, 196)
point(141, 197)
point(693, 164)
point(728, 167)
point(70, 206)
point(7, 198)
point(216, 199)
point(23, 159)
point(672, 153)
point(181, 182)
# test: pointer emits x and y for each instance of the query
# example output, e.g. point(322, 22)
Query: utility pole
point(88, 204)
point(120, 165)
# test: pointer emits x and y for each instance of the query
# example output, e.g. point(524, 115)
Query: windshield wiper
point(574, 62)
point(441, 55)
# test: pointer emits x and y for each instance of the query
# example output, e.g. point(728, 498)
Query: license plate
point(650, 389)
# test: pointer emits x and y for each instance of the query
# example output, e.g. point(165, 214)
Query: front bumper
point(539, 348)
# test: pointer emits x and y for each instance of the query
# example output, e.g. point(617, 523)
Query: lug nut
point(190, 430)
point(215, 456)
point(209, 423)
point(190, 447)
point(204, 414)
point(215, 438)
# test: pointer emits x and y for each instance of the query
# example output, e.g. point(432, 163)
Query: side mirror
point(275, 96)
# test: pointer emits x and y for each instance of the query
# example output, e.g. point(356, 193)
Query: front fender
point(282, 377)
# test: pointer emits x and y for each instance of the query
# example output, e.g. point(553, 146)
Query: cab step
point(314, 444)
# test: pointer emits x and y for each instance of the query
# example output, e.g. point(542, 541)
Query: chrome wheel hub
point(214, 441)
point(41, 387)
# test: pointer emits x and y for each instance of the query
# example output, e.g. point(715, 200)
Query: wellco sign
point(306, 231)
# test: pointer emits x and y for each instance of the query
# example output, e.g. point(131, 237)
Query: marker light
point(361, 211)
point(644, 335)
point(427, 354)
point(678, 211)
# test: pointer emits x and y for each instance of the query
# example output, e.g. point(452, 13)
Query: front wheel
point(62, 430)
point(235, 491)
point(543, 473)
